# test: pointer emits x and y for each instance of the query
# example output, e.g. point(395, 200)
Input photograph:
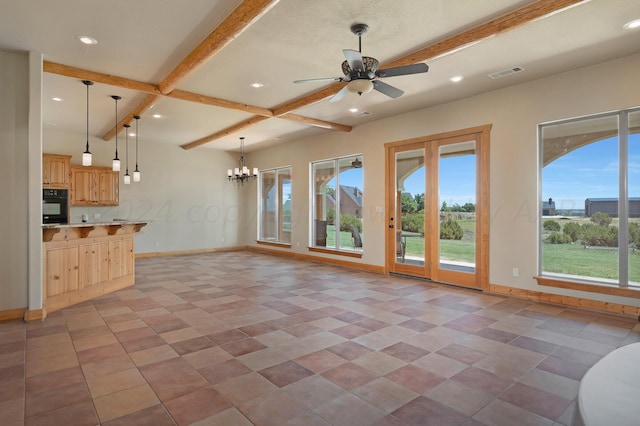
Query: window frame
point(279, 174)
point(594, 284)
point(343, 251)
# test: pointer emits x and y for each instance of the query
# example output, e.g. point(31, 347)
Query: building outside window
point(275, 205)
point(337, 203)
point(590, 205)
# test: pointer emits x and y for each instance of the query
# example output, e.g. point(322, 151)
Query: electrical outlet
point(157, 243)
point(97, 216)
point(516, 272)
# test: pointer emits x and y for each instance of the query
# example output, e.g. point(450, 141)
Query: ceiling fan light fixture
point(360, 86)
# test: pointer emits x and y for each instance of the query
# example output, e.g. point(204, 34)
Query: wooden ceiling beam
point(316, 123)
point(507, 22)
point(242, 17)
point(226, 132)
point(504, 23)
point(98, 77)
point(209, 100)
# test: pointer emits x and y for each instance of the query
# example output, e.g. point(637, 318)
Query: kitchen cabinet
point(94, 186)
point(87, 260)
point(56, 171)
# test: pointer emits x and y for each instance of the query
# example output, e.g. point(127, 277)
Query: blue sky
point(457, 184)
point(590, 172)
point(587, 172)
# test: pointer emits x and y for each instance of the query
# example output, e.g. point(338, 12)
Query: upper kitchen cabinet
point(94, 186)
point(56, 171)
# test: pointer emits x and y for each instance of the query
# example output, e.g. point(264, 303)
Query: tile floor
point(244, 338)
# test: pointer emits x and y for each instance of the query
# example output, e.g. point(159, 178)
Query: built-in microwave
point(55, 206)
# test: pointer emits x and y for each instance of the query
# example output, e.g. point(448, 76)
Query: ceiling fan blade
point(339, 95)
point(354, 58)
point(313, 80)
point(403, 70)
point(384, 88)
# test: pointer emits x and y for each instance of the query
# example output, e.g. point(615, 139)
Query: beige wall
point(514, 113)
point(14, 178)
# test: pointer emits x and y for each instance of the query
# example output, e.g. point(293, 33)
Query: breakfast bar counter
point(86, 260)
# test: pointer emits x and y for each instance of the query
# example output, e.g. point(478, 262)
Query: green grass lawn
point(346, 242)
point(458, 250)
point(572, 259)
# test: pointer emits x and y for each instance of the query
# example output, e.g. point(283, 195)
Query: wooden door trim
point(481, 134)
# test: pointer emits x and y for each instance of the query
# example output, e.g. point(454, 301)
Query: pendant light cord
point(126, 149)
point(137, 118)
point(87, 117)
point(116, 99)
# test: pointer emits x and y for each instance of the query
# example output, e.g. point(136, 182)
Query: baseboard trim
point(188, 252)
point(361, 266)
point(12, 314)
point(35, 315)
point(557, 299)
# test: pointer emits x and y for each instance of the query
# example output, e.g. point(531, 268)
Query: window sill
point(590, 287)
point(274, 244)
point(336, 252)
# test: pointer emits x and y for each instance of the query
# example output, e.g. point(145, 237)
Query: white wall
point(514, 113)
point(14, 178)
point(184, 194)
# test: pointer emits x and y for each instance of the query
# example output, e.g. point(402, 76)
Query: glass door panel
point(457, 201)
point(410, 183)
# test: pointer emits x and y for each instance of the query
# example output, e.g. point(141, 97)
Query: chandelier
point(241, 173)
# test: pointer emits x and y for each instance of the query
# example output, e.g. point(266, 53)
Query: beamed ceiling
point(193, 62)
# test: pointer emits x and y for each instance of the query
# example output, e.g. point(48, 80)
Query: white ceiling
point(144, 40)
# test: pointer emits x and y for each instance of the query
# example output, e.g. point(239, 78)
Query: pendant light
point(86, 155)
point(116, 160)
point(127, 178)
point(136, 172)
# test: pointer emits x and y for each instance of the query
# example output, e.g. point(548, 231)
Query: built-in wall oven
point(55, 205)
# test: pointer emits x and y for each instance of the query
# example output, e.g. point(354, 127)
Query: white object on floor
point(608, 393)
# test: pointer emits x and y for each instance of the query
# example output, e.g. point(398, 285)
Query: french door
point(438, 207)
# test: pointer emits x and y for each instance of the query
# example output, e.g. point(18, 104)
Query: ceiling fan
point(362, 73)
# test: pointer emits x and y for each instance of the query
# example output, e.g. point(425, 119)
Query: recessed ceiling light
point(156, 116)
point(632, 24)
point(257, 85)
point(87, 40)
point(56, 99)
point(456, 78)
point(353, 109)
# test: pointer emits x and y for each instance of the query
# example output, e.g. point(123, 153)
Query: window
point(590, 199)
point(337, 204)
point(275, 205)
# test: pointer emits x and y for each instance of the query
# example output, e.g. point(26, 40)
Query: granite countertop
point(94, 224)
